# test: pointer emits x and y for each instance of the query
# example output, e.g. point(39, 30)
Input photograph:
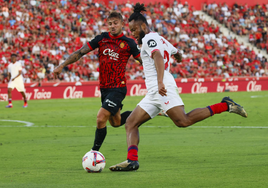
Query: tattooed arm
point(75, 56)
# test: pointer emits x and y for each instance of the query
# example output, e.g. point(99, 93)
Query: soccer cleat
point(233, 107)
point(25, 105)
point(9, 106)
point(127, 165)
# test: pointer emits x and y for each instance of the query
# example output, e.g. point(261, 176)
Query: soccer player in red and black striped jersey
point(114, 51)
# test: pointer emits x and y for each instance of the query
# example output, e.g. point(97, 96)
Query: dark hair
point(136, 15)
point(115, 15)
point(14, 55)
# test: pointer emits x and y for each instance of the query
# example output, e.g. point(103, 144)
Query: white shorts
point(19, 85)
point(153, 103)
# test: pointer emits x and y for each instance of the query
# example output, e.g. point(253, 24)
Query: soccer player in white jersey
point(162, 90)
point(15, 80)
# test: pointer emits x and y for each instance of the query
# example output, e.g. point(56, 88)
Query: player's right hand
point(161, 89)
point(178, 57)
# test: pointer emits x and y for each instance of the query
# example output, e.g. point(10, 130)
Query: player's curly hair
point(136, 15)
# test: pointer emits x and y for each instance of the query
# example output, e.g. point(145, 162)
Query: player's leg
point(115, 98)
point(25, 99)
point(9, 93)
point(182, 119)
point(101, 130)
point(119, 119)
point(111, 103)
point(136, 118)
point(20, 87)
point(148, 108)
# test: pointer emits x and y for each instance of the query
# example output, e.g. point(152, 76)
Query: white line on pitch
point(258, 96)
point(150, 126)
point(27, 124)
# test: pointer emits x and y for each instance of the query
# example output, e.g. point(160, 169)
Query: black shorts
point(111, 98)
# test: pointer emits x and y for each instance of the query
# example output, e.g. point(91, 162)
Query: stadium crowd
point(44, 33)
point(243, 20)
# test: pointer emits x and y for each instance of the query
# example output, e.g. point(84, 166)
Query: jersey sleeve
point(94, 43)
point(8, 68)
point(151, 45)
point(19, 66)
point(174, 50)
point(134, 49)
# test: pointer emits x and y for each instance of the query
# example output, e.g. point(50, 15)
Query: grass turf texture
point(210, 153)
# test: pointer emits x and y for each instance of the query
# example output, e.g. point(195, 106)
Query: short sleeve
point(134, 49)
point(94, 43)
point(151, 45)
point(19, 66)
point(174, 50)
point(8, 68)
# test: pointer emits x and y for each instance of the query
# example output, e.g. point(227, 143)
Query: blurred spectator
point(44, 33)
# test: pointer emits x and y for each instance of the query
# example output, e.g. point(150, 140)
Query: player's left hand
point(161, 89)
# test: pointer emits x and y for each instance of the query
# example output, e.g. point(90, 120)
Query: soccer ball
point(93, 161)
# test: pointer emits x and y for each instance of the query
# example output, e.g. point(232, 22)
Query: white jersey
point(14, 69)
point(150, 43)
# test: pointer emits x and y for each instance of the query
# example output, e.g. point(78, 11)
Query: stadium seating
point(44, 33)
point(243, 20)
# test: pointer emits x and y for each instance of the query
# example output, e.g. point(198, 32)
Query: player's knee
point(101, 121)
point(115, 125)
point(131, 125)
point(127, 127)
point(115, 122)
point(182, 124)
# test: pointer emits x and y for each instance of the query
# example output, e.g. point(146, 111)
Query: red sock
point(218, 108)
point(132, 153)
point(9, 101)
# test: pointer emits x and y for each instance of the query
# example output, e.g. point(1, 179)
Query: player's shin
point(218, 108)
point(100, 135)
point(132, 153)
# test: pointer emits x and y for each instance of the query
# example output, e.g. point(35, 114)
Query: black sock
point(100, 135)
point(124, 116)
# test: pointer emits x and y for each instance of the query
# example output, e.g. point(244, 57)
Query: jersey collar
point(113, 37)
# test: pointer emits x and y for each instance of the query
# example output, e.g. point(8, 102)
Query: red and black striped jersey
point(114, 53)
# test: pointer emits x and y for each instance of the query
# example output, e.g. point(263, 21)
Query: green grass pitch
point(42, 146)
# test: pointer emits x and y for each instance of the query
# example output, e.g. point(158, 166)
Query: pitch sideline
point(30, 124)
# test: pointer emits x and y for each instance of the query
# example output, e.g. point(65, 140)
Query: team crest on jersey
point(151, 43)
point(122, 45)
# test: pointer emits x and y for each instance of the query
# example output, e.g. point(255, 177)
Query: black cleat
point(233, 107)
point(127, 165)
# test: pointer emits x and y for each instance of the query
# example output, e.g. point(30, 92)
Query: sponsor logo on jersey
point(111, 53)
point(122, 45)
point(151, 43)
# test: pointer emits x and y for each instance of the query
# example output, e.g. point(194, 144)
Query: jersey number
point(166, 59)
